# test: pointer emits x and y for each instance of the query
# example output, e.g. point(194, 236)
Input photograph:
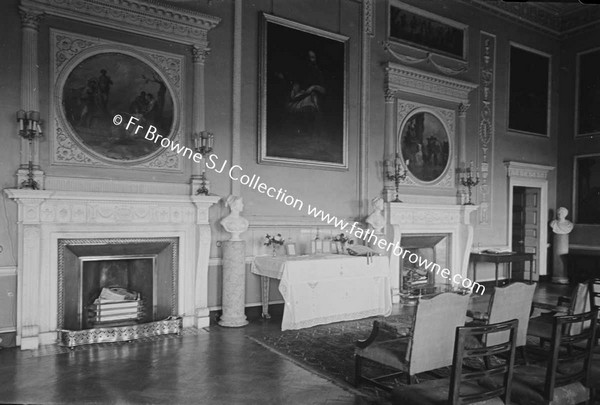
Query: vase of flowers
point(274, 241)
point(342, 241)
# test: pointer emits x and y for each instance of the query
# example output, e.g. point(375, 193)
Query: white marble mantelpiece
point(45, 216)
point(454, 220)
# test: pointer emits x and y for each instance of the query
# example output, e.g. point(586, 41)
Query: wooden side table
point(506, 258)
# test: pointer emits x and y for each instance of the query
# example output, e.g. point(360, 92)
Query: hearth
point(116, 289)
point(417, 277)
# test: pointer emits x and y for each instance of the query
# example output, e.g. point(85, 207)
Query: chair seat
point(435, 392)
point(390, 353)
point(528, 386)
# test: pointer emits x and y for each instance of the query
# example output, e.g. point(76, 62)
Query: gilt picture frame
point(303, 95)
point(529, 91)
point(587, 98)
point(411, 26)
point(586, 189)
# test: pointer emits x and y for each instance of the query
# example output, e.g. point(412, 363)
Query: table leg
point(509, 272)
point(497, 274)
point(264, 296)
point(474, 271)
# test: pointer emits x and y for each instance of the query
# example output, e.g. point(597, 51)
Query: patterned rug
point(328, 350)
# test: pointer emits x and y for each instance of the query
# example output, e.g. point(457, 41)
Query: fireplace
point(129, 229)
point(416, 279)
point(441, 233)
point(115, 283)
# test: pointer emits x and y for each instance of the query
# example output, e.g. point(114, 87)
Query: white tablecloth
point(328, 288)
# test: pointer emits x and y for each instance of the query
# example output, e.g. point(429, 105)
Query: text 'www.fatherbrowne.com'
point(236, 173)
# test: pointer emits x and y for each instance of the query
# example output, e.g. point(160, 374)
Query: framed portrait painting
point(588, 93)
point(303, 116)
point(425, 146)
point(586, 190)
point(529, 91)
point(415, 27)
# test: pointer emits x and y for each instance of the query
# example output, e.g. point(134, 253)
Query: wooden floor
point(213, 366)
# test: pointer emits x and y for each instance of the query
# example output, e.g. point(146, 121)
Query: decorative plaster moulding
point(527, 170)
point(401, 78)
point(147, 18)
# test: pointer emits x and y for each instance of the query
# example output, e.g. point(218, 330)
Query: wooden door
point(526, 228)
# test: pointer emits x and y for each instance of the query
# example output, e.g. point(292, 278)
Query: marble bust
point(376, 220)
point(561, 225)
point(234, 223)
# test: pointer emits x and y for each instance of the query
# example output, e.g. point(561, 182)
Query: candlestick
point(398, 174)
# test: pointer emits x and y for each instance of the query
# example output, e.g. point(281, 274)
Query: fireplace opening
point(116, 285)
point(416, 278)
point(117, 291)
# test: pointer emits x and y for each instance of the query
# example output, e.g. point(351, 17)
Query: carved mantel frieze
point(527, 170)
point(400, 78)
point(141, 17)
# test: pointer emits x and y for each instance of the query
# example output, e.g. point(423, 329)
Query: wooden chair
point(509, 302)
point(579, 302)
point(594, 285)
point(426, 347)
point(468, 387)
point(565, 379)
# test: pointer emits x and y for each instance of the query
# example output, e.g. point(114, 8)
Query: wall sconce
point(398, 173)
point(30, 128)
point(203, 144)
point(469, 181)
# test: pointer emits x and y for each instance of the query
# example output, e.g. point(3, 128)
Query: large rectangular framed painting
point(529, 91)
point(587, 121)
point(303, 112)
point(415, 27)
point(586, 190)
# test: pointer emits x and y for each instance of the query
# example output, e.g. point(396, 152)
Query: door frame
point(522, 174)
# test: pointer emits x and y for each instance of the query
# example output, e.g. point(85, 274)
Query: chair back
point(594, 285)
point(570, 352)
point(508, 330)
point(434, 324)
point(511, 302)
point(580, 303)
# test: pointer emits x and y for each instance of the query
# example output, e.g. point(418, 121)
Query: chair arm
point(378, 327)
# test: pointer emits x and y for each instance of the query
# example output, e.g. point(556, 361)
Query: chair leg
point(486, 361)
point(357, 368)
point(411, 379)
point(523, 351)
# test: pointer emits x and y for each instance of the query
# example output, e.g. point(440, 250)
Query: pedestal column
point(234, 284)
point(560, 249)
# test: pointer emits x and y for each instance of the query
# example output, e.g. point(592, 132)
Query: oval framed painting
point(425, 146)
point(101, 85)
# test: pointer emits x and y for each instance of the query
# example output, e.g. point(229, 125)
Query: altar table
point(326, 288)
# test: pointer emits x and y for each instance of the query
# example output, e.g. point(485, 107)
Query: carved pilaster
point(199, 54)
point(462, 109)
point(368, 17)
point(485, 148)
point(30, 18)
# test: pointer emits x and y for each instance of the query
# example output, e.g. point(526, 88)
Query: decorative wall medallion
point(486, 124)
point(93, 81)
point(425, 142)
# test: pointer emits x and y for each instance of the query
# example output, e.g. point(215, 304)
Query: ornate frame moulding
point(148, 18)
point(399, 78)
point(68, 52)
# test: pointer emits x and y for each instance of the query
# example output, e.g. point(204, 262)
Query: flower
point(270, 240)
point(343, 239)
